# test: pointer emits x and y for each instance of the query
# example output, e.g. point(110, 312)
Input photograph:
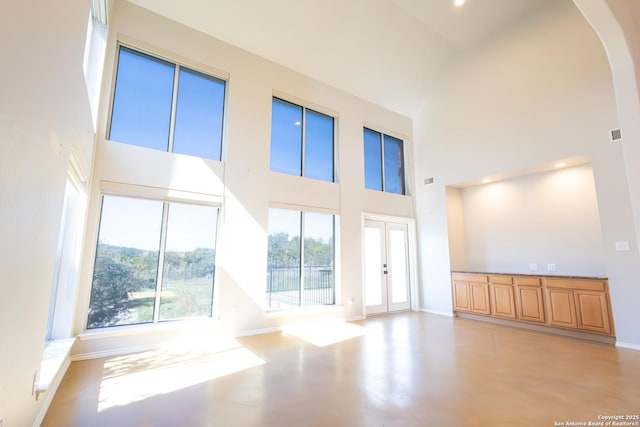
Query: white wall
point(43, 89)
point(455, 221)
point(544, 218)
point(615, 21)
point(243, 180)
point(538, 93)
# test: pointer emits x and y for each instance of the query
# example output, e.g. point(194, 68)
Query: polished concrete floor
point(406, 369)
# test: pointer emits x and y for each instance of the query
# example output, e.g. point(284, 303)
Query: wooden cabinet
point(471, 293)
point(480, 298)
point(592, 311)
point(578, 304)
point(502, 297)
point(461, 299)
point(529, 299)
point(562, 311)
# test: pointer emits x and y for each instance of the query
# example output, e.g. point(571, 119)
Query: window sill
point(55, 360)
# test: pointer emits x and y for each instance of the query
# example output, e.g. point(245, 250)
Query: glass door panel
point(374, 254)
point(386, 266)
point(398, 267)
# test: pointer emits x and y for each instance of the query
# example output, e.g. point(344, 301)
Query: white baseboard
point(628, 345)
point(438, 312)
point(120, 351)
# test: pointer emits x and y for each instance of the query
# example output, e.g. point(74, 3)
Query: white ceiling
point(475, 21)
point(386, 51)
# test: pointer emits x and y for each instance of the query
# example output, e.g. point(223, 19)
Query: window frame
point(63, 295)
point(334, 116)
point(178, 63)
point(301, 210)
point(402, 165)
point(94, 54)
point(129, 191)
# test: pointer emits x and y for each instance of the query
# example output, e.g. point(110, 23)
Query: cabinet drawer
point(528, 281)
point(481, 278)
point(502, 280)
point(579, 284)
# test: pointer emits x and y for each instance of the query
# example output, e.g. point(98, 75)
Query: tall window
point(94, 52)
point(300, 271)
point(383, 162)
point(165, 106)
point(302, 141)
point(154, 261)
point(65, 280)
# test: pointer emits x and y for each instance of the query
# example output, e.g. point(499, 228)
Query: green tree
point(117, 272)
point(283, 251)
point(121, 271)
point(318, 253)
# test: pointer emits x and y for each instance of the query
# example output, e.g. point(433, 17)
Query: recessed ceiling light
point(559, 165)
point(486, 181)
point(458, 3)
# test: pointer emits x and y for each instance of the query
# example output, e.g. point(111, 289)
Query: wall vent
point(428, 181)
point(615, 135)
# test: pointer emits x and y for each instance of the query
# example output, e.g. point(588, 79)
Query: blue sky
point(287, 123)
point(143, 102)
point(136, 223)
point(317, 225)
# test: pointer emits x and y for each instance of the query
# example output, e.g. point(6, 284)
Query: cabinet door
point(461, 297)
point(529, 304)
point(561, 308)
point(502, 301)
point(593, 312)
point(480, 298)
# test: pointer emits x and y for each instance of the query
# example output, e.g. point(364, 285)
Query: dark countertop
point(493, 273)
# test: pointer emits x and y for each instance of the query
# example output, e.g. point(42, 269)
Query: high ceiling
point(385, 51)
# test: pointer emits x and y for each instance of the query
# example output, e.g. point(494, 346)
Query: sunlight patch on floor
point(324, 332)
point(180, 364)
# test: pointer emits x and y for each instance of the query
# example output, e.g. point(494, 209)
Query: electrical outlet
point(622, 246)
point(533, 267)
point(551, 267)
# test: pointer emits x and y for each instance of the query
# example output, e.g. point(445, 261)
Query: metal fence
point(284, 286)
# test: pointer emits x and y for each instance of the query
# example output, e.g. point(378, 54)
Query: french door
point(386, 266)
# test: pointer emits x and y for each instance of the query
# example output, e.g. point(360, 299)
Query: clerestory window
point(302, 141)
point(383, 162)
point(166, 106)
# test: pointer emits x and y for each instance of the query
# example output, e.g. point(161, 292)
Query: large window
point(302, 141)
point(383, 162)
point(165, 106)
point(154, 261)
point(94, 52)
point(300, 271)
point(65, 280)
